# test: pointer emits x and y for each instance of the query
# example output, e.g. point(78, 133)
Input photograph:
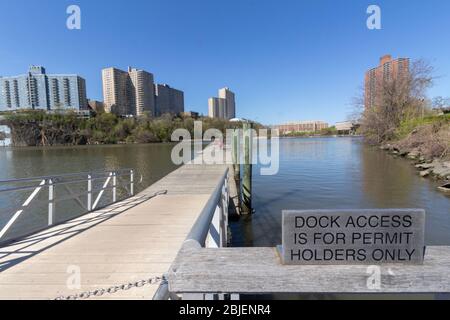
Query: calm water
point(328, 173)
point(315, 173)
point(152, 161)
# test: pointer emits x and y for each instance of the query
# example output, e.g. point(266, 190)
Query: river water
point(339, 173)
point(315, 173)
point(330, 173)
point(151, 161)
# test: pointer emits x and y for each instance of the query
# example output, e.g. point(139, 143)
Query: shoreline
point(65, 146)
point(439, 169)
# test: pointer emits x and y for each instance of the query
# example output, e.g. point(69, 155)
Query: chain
point(113, 289)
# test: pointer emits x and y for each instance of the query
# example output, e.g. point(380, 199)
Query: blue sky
point(285, 60)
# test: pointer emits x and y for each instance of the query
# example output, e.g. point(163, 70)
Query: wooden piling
point(247, 174)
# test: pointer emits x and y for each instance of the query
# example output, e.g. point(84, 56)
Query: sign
point(314, 237)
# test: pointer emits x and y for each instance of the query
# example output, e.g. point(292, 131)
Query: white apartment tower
point(142, 92)
point(223, 107)
point(115, 90)
point(217, 108)
point(230, 104)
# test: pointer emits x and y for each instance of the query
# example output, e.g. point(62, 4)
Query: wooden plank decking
point(259, 271)
point(131, 240)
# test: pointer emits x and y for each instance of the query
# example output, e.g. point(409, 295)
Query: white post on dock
point(50, 202)
point(114, 174)
point(131, 182)
point(89, 193)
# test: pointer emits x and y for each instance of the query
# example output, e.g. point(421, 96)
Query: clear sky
point(285, 60)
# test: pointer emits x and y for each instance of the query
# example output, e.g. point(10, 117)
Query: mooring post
point(236, 155)
point(247, 175)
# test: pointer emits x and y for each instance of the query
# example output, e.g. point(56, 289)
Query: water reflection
point(330, 173)
point(151, 161)
point(387, 181)
point(338, 173)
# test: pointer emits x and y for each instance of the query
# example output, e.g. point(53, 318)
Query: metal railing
point(86, 181)
point(210, 230)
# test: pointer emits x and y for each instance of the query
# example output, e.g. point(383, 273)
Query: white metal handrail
point(65, 180)
point(210, 230)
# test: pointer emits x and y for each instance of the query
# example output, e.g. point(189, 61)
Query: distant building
point(168, 100)
point(302, 126)
point(217, 108)
point(86, 113)
point(223, 107)
point(97, 106)
point(128, 93)
point(115, 83)
point(388, 69)
point(190, 114)
point(38, 90)
point(230, 104)
point(346, 127)
point(239, 120)
point(440, 111)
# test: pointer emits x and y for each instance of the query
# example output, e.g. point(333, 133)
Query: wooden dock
point(259, 271)
point(131, 240)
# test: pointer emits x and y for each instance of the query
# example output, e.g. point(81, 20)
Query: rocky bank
point(438, 168)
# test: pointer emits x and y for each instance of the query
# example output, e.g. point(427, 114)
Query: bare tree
point(397, 99)
point(440, 102)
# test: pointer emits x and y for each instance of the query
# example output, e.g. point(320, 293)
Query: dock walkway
point(128, 241)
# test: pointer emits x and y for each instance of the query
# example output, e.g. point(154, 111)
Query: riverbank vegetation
point(38, 128)
point(406, 122)
point(330, 131)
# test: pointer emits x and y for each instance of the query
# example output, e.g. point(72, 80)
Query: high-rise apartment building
point(128, 93)
point(217, 108)
point(168, 100)
point(142, 92)
point(230, 108)
point(38, 90)
point(115, 90)
point(375, 79)
point(224, 106)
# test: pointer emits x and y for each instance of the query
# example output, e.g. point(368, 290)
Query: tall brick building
point(388, 70)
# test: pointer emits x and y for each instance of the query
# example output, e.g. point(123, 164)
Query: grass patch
point(408, 126)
